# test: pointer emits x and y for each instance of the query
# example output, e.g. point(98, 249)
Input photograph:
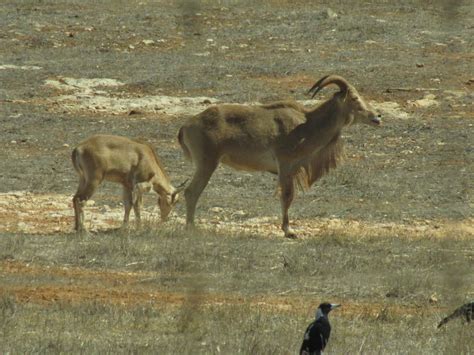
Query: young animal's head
point(166, 203)
point(355, 109)
point(166, 200)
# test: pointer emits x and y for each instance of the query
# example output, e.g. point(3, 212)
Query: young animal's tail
point(185, 149)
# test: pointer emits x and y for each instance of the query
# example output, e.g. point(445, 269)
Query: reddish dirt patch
point(26, 269)
point(125, 289)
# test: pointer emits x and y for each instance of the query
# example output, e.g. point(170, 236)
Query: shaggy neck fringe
point(319, 164)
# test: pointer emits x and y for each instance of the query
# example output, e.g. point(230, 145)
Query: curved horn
point(329, 79)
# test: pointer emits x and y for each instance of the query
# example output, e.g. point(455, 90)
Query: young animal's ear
point(177, 191)
point(150, 176)
point(174, 197)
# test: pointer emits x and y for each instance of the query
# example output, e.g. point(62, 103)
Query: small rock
point(203, 54)
point(329, 13)
point(133, 112)
point(22, 226)
point(239, 213)
point(392, 294)
point(420, 65)
point(427, 101)
point(65, 145)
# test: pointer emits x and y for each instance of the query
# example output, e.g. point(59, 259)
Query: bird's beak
point(334, 305)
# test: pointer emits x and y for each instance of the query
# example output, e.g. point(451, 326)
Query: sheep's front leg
point(193, 191)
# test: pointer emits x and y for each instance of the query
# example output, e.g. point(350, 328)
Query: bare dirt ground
point(70, 69)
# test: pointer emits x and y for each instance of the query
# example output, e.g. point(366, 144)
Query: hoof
point(190, 227)
point(82, 232)
point(291, 235)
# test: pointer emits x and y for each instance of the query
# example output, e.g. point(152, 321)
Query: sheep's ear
point(346, 94)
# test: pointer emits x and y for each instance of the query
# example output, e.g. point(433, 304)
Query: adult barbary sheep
point(283, 138)
point(132, 163)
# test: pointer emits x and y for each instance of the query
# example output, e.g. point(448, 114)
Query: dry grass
point(168, 291)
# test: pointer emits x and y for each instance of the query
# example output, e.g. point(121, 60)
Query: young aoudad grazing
point(132, 163)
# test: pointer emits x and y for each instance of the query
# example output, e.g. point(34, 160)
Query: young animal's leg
point(137, 196)
point(84, 192)
point(286, 198)
point(127, 203)
point(201, 177)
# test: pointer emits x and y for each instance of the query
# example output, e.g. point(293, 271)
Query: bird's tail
point(445, 320)
point(463, 311)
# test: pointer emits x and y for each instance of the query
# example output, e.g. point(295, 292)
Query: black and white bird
point(317, 333)
point(466, 310)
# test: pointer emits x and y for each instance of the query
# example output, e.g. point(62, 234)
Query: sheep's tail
point(75, 160)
